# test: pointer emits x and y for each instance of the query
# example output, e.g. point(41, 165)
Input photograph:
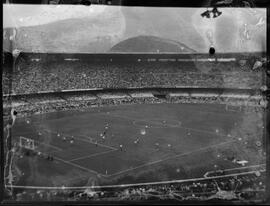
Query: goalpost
point(27, 143)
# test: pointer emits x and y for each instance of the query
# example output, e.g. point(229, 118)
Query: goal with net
point(27, 143)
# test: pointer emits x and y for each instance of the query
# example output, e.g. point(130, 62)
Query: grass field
point(174, 141)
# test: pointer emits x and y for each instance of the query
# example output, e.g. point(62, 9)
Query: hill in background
point(150, 44)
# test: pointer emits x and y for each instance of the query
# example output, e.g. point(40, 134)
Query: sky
point(236, 30)
point(31, 15)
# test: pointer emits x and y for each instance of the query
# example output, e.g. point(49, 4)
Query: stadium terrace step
point(112, 96)
point(204, 94)
point(178, 94)
point(232, 95)
point(82, 97)
point(141, 95)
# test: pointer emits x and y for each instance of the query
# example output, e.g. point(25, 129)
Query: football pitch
point(135, 143)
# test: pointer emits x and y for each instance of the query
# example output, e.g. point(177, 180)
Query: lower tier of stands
point(27, 105)
point(249, 187)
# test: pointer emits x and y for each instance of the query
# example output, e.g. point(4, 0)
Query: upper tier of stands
point(34, 73)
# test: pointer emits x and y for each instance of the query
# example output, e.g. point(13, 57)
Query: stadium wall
point(107, 57)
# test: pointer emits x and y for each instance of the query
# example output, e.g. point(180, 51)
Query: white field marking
point(92, 155)
point(84, 140)
point(235, 168)
point(145, 120)
point(171, 157)
point(204, 131)
point(251, 166)
point(153, 122)
point(132, 185)
point(10, 168)
point(6, 163)
point(78, 166)
point(10, 174)
point(92, 142)
point(54, 147)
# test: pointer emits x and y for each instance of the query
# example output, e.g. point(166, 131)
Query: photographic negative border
point(169, 3)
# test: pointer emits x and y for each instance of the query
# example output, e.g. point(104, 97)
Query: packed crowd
point(239, 187)
point(27, 105)
point(201, 189)
point(33, 77)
